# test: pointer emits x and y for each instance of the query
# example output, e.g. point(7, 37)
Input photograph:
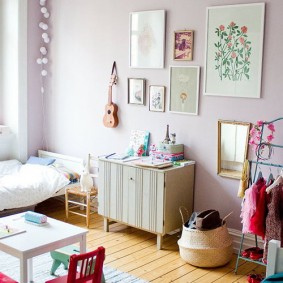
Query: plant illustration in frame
point(234, 48)
point(157, 98)
point(233, 52)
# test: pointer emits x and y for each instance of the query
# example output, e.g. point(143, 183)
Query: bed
point(22, 186)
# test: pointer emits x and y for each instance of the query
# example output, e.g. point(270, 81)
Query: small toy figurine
point(152, 149)
point(167, 139)
point(140, 150)
point(173, 138)
point(130, 151)
point(86, 181)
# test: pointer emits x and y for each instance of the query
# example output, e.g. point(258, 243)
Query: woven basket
point(209, 248)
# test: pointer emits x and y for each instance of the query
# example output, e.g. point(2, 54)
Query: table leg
point(30, 270)
point(23, 270)
point(83, 244)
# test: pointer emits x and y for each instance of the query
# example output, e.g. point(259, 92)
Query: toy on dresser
point(168, 150)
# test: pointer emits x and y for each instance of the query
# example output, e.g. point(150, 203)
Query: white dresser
point(145, 198)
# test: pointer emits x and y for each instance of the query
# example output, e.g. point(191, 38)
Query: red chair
point(85, 267)
point(6, 279)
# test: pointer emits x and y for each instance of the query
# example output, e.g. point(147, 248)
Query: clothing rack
point(258, 162)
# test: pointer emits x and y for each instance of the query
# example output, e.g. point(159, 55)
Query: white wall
point(87, 36)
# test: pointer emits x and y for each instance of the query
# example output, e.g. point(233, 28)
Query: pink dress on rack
point(274, 218)
point(249, 204)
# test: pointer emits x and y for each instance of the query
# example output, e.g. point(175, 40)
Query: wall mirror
point(232, 147)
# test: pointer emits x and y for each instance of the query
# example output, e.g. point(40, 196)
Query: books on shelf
point(7, 231)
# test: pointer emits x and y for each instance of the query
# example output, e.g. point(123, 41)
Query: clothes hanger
point(270, 177)
point(276, 182)
point(259, 176)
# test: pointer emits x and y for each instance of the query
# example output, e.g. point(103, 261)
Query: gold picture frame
point(183, 45)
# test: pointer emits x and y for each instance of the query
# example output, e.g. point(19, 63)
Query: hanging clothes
point(244, 182)
point(274, 218)
point(257, 222)
point(249, 204)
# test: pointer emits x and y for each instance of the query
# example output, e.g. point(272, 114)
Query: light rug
point(9, 265)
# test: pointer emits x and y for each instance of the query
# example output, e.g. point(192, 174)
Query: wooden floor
point(134, 251)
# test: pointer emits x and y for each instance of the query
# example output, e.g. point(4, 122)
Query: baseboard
point(249, 240)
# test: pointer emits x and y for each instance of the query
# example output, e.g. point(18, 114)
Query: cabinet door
point(132, 195)
point(153, 201)
point(144, 198)
point(110, 190)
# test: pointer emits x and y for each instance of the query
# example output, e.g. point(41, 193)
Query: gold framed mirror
point(233, 140)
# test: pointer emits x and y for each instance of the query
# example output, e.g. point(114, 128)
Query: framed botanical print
point(234, 48)
point(157, 98)
point(184, 89)
point(147, 39)
point(136, 91)
point(183, 45)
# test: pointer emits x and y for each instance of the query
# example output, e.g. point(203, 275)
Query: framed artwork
point(156, 98)
point(184, 89)
point(183, 45)
point(234, 47)
point(147, 39)
point(136, 91)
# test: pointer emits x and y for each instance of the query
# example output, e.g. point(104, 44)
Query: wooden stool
point(75, 200)
point(62, 255)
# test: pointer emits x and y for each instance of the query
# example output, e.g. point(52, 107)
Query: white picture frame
point(184, 89)
point(136, 91)
point(147, 39)
point(234, 48)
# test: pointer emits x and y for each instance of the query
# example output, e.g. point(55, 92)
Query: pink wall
point(86, 37)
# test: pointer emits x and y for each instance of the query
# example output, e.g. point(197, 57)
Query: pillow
point(40, 161)
point(9, 167)
point(68, 173)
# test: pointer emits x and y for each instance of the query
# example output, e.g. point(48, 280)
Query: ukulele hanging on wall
point(110, 119)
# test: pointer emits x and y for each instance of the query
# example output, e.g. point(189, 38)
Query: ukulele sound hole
point(108, 111)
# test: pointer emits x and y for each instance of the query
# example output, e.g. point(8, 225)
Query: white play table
point(37, 240)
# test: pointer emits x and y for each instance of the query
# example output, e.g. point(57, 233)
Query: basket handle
point(183, 209)
point(224, 218)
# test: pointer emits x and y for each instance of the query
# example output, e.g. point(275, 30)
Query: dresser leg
point(106, 224)
point(159, 241)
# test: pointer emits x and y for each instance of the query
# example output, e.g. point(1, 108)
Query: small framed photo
point(183, 45)
point(157, 98)
point(136, 91)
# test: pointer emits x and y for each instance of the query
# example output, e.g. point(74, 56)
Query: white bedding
point(29, 184)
